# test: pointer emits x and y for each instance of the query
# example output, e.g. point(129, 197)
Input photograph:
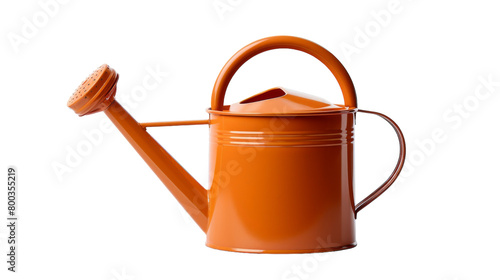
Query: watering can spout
point(190, 194)
point(97, 94)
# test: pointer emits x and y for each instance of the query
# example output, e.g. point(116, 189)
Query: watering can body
point(281, 168)
point(281, 184)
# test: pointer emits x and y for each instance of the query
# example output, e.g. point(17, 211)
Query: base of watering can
point(299, 251)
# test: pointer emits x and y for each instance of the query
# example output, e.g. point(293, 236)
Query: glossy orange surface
point(281, 162)
point(281, 184)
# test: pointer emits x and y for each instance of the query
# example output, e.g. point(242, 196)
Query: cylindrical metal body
point(281, 184)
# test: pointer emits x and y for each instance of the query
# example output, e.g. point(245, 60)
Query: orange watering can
point(281, 162)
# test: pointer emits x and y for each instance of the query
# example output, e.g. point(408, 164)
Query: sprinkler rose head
point(96, 93)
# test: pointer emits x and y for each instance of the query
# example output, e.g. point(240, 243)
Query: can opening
point(270, 94)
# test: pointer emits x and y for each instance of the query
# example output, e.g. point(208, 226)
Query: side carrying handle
point(397, 169)
point(283, 42)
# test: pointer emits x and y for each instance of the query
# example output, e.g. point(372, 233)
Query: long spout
point(97, 94)
point(190, 194)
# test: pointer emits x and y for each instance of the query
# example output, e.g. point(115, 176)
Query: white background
point(109, 217)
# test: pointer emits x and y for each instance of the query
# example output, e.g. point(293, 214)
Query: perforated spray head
point(96, 93)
